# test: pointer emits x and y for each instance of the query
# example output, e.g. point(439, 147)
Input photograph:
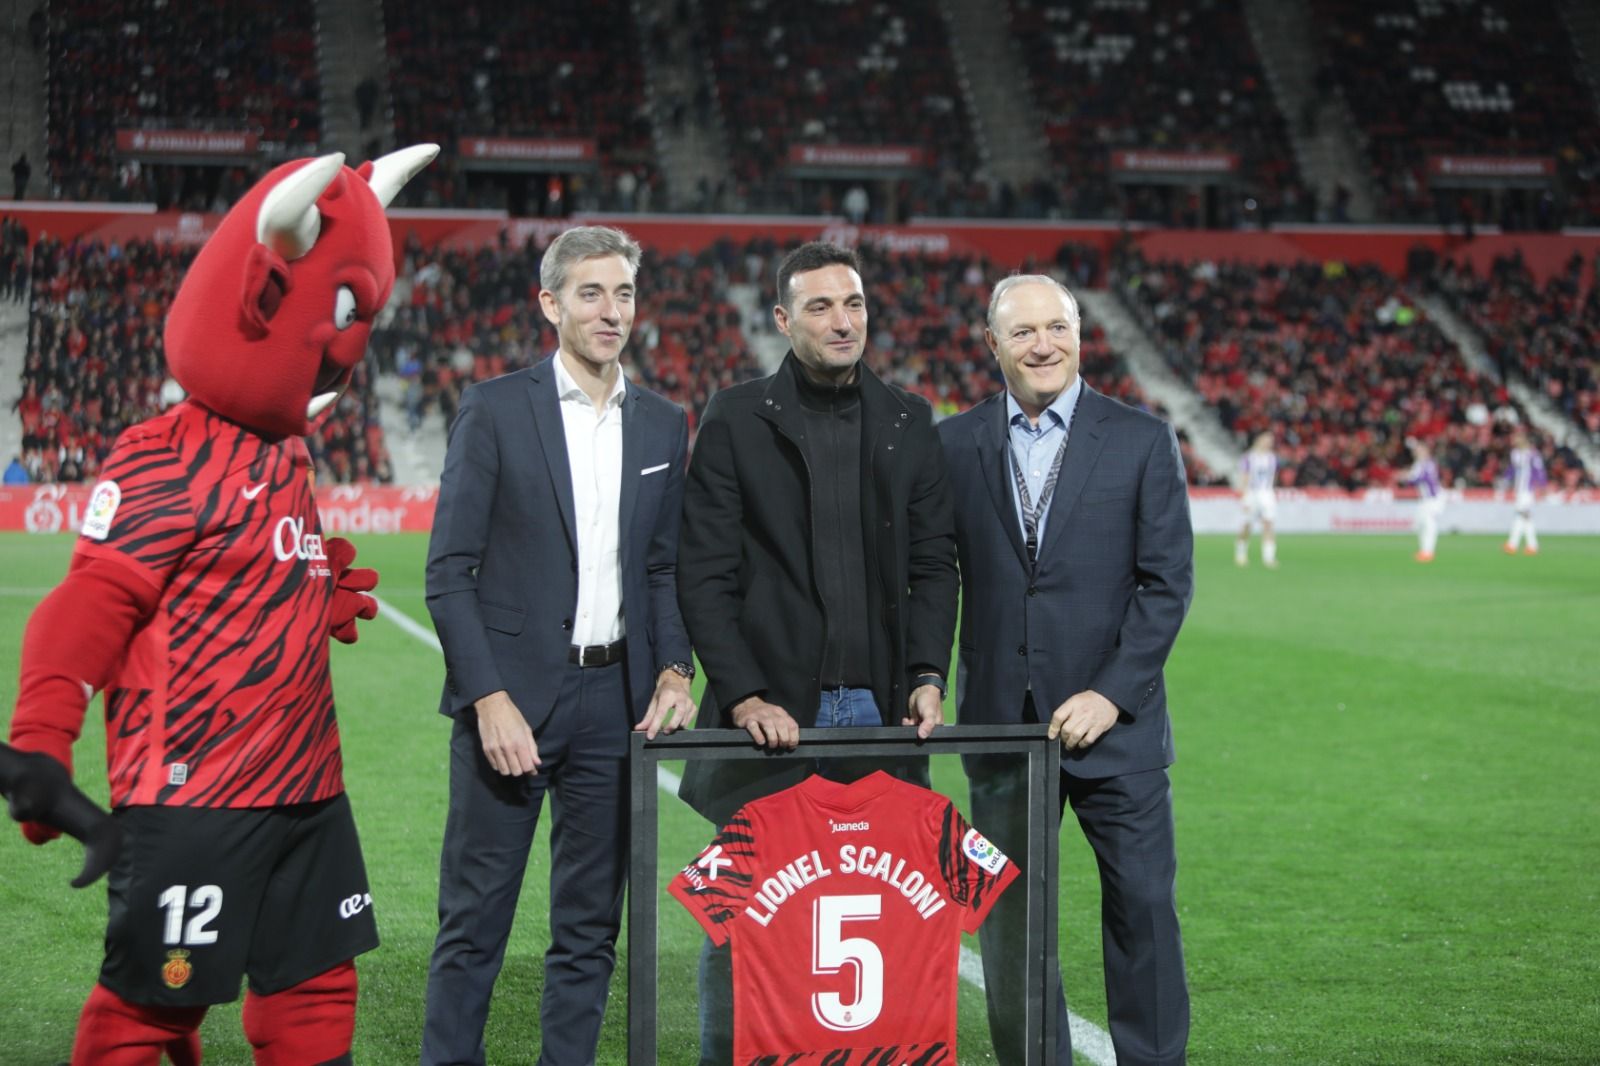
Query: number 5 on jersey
point(831, 952)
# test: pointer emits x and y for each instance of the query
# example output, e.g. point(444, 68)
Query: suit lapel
point(1084, 441)
point(634, 425)
point(994, 467)
point(553, 442)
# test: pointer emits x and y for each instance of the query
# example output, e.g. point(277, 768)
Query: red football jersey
point(841, 902)
point(223, 697)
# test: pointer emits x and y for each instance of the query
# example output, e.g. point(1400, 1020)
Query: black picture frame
point(1040, 863)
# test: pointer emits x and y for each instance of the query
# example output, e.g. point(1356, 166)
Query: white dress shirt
point(594, 455)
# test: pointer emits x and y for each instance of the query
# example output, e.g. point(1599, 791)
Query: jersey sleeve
point(974, 870)
point(140, 513)
point(715, 886)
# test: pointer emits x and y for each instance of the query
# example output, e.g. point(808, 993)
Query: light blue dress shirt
point(1034, 447)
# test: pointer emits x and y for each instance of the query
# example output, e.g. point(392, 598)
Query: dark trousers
point(1128, 822)
point(583, 748)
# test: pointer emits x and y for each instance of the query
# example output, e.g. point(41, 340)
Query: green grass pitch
point(1388, 802)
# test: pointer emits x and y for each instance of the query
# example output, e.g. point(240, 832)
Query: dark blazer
point(502, 580)
point(1114, 580)
point(747, 582)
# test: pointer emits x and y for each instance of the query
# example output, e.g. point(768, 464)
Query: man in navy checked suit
point(1077, 566)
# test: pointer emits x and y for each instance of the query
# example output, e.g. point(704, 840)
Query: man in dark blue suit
point(1077, 565)
point(552, 583)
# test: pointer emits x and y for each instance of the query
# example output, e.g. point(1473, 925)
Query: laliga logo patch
point(983, 853)
point(175, 973)
point(102, 509)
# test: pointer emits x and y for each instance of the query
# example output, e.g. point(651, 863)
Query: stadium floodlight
point(1038, 757)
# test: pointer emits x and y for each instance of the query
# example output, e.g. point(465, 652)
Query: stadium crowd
point(865, 74)
point(1336, 361)
point(1414, 80)
point(536, 71)
point(1549, 335)
point(1436, 78)
point(464, 316)
point(248, 66)
point(1159, 74)
point(95, 364)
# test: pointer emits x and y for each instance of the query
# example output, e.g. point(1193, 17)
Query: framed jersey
point(836, 899)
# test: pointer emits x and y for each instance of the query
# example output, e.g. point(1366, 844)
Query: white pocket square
point(653, 469)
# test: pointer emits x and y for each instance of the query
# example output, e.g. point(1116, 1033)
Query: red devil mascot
point(200, 600)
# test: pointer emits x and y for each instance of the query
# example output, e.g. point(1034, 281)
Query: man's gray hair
point(1005, 285)
point(580, 243)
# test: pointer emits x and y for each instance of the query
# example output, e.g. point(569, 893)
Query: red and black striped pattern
point(224, 697)
point(837, 899)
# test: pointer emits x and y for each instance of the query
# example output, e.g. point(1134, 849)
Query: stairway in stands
point(1322, 131)
point(1211, 442)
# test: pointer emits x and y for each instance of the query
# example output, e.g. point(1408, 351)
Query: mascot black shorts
point(201, 898)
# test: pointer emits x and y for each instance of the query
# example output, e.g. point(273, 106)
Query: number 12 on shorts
point(206, 899)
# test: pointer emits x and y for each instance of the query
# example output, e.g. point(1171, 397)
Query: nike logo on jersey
point(252, 493)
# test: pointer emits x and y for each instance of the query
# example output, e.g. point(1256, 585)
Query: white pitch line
point(407, 623)
point(1088, 1039)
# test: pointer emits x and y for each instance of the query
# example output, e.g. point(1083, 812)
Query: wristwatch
point(929, 679)
point(683, 670)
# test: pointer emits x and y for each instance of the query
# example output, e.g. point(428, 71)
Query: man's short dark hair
point(813, 255)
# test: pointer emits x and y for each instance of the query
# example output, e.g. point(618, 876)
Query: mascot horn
point(200, 600)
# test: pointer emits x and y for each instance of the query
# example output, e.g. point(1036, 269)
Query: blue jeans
point(847, 706)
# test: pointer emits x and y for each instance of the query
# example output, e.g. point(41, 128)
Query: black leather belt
point(597, 654)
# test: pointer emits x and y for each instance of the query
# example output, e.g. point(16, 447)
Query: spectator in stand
point(21, 171)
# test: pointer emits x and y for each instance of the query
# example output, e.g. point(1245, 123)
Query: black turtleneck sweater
point(833, 453)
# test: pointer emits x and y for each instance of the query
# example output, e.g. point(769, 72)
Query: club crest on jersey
point(983, 853)
point(175, 973)
point(291, 541)
point(102, 509)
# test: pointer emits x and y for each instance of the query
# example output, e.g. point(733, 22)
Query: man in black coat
point(816, 562)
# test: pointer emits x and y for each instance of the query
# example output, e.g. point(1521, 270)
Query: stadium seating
point(1152, 74)
point(844, 73)
point(1550, 336)
point(519, 70)
point(1336, 361)
point(1450, 78)
point(471, 316)
point(95, 364)
point(248, 65)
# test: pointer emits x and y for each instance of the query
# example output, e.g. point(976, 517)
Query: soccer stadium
point(1344, 255)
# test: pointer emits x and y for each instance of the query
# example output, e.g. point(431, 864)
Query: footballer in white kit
point(1258, 495)
point(1527, 478)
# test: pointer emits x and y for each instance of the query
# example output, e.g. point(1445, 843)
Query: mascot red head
point(273, 316)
